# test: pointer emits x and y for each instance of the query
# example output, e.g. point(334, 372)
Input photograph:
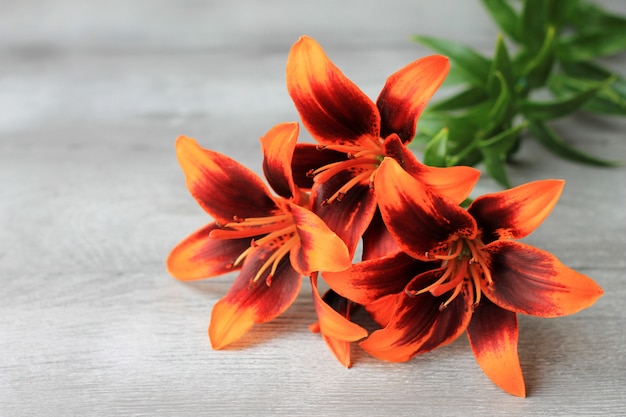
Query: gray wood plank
point(92, 97)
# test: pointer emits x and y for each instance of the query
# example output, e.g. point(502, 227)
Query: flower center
point(362, 162)
point(275, 233)
point(463, 263)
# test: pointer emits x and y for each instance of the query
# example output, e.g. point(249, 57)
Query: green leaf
point(608, 99)
point(501, 107)
point(505, 17)
point(437, 149)
point(555, 109)
point(455, 77)
point(587, 17)
point(601, 105)
point(473, 64)
point(430, 123)
point(539, 65)
point(534, 23)
point(585, 70)
point(504, 141)
point(502, 64)
point(588, 46)
point(554, 143)
point(495, 164)
point(466, 98)
point(595, 72)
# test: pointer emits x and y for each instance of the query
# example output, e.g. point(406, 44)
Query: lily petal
point(418, 326)
point(200, 256)
point(247, 303)
point(515, 213)
point(308, 157)
point(333, 312)
point(420, 220)
point(382, 309)
point(493, 335)
point(455, 183)
point(406, 93)
point(367, 281)
point(532, 281)
point(332, 108)
point(223, 187)
point(377, 241)
point(278, 146)
point(339, 348)
point(350, 217)
point(319, 249)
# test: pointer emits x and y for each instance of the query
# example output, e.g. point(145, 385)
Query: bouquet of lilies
point(431, 266)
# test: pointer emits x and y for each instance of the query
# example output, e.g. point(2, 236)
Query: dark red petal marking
point(278, 146)
point(348, 216)
point(377, 241)
point(332, 108)
point(516, 212)
point(418, 326)
point(531, 281)
point(420, 220)
point(199, 256)
point(307, 158)
point(406, 93)
point(367, 281)
point(223, 187)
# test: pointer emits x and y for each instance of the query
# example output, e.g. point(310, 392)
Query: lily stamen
point(245, 232)
point(456, 292)
point(256, 221)
point(327, 171)
point(475, 274)
point(289, 230)
point(447, 273)
point(274, 260)
point(341, 192)
point(463, 262)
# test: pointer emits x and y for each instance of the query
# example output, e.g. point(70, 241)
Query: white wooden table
point(92, 96)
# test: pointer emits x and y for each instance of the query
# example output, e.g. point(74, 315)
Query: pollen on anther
point(320, 147)
point(268, 280)
point(310, 173)
point(442, 307)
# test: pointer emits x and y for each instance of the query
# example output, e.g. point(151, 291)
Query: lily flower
point(479, 278)
point(272, 240)
point(355, 134)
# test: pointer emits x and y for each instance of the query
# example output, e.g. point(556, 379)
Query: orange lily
point(479, 280)
point(355, 134)
point(273, 240)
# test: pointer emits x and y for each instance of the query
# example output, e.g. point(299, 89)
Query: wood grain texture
point(92, 96)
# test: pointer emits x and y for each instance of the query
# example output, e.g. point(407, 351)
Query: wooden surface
point(92, 96)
